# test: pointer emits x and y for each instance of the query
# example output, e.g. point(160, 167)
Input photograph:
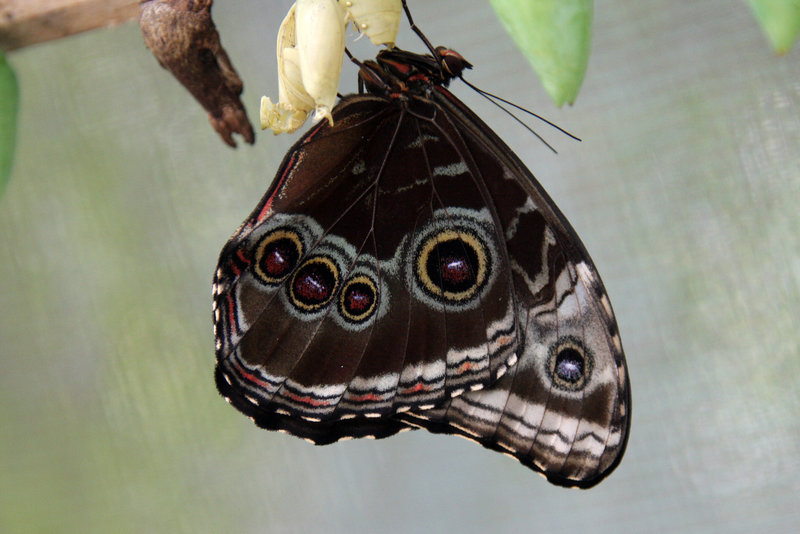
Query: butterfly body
point(406, 270)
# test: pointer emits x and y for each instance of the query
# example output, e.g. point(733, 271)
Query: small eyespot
point(452, 265)
point(358, 299)
point(314, 283)
point(569, 365)
point(277, 254)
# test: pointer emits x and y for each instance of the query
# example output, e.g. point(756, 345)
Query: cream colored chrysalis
point(311, 43)
point(377, 19)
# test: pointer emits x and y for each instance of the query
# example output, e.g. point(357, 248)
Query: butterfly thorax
point(401, 75)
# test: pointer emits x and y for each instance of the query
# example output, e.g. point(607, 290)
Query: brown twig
point(27, 22)
point(182, 36)
point(180, 33)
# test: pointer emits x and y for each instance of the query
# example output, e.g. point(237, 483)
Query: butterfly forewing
point(406, 270)
point(376, 290)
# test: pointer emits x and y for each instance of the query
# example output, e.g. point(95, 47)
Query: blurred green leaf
point(555, 36)
point(780, 20)
point(9, 96)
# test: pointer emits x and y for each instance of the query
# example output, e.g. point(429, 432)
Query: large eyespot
point(452, 265)
point(277, 254)
point(569, 365)
point(314, 283)
point(358, 299)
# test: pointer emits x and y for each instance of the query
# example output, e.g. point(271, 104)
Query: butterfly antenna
point(531, 130)
point(492, 97)
point(487, 95)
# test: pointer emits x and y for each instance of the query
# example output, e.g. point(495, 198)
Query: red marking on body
point(399, 67)
point(446, 52)
point(448, 95)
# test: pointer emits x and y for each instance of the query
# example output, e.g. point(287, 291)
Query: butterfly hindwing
point(564, 409)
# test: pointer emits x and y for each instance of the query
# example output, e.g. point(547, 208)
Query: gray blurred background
point(685, 189)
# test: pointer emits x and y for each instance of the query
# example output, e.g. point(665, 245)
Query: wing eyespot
point(276, 255)
point(451, 261)
point(358, 299)
point(314, 284)
point(452, 265)
point(569, 365)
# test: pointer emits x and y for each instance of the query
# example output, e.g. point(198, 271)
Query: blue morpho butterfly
point(406, 270)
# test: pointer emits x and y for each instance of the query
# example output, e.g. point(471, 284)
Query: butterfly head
point(451, 62)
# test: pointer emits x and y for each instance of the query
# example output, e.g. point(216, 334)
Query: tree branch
point(184, 40)
point(27, 22)
point(180, 33)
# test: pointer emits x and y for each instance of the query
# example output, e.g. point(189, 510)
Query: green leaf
point(9, 97)
point(780, 20)
point(555, 36)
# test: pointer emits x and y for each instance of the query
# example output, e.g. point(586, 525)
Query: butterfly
point(406, 270)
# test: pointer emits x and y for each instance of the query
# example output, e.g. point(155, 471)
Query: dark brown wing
point(564, 410)
point(369, 280)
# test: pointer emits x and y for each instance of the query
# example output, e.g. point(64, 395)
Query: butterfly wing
point(350, 293)
point(402, 262)
point(564, 409)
